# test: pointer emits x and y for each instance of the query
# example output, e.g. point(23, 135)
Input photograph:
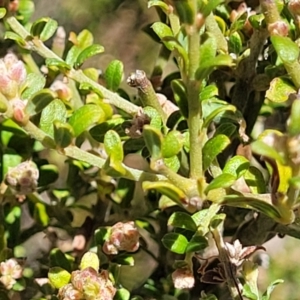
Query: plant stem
point(229, 272)
point(79, 154)
point(39, 47)
point(195, 113)
point(147, 94)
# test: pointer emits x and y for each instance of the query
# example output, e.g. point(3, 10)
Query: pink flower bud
point(12, 75)
point(278, 28)
point(294, 7)
point(68, 292)
point(10, 270)
point(62, 90)
point(183, 279)
point(92, 285)
point(123, 237)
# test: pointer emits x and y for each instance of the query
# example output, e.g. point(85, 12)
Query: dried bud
point(123, 237)
point(10, 270)
point(183, 279)
point(23, 178)
point(12, 76)
point(278, 28)
point(137, 124)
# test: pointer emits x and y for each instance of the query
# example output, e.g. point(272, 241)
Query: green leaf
point(182, 220)
point(208, 49)
point(164, 6)
point(236, 166)
point(257, 21)
point(90, 259)
point(114, 74)
point(261, 148)
point(280, 89)
point(10, 35)
point(87, 53)
point(163, 31)
point(167, 189)
point(258, 203)
point(63, 134)
point(13, 216)
point(226, 128)
point(25, 11)
point(58, 258)
point(59, 277)
point(153, 139)
point(180, 96)
point(255, 180)
point(55, 111)
point(208, 6)
point(294, 120)
point(33, 84)
point(197, 243)
point(185, 11)
point(39, 101)
point(222, 60)
point(48, 174)
point(98, 131)
point(2, 12)
point(82, 41)
point(175, 242)
point(172, 144)
point(85, 117)
point(287, 50)
point(267, 294)
point(43, 28)
point(222, 181)
point(172, 163)
point(212, 148)
point(239, 22)
point(55, 63)
point(100, 235)
point(122, 294)
point(41, 214)
point(210, 91)
point(247, 292)
point(113, 146)
point(235, 43)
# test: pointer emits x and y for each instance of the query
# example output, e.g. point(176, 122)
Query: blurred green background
point(118, 26)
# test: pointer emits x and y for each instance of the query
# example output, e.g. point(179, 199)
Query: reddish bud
point(123, 237)
point(278, 28)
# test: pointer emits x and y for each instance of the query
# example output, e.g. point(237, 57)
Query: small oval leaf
point(114, 75)
point(86, 116)
point(175, 242)
point(59, 277)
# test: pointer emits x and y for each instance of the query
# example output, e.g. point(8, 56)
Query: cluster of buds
point(12, 77)
point(23, 178)
point(88, 284)
point(10, 270)
point(123, 237)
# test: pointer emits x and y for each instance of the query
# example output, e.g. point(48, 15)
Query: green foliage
point(111, 182)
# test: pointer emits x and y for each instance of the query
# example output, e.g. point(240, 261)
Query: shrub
point(161, 196)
